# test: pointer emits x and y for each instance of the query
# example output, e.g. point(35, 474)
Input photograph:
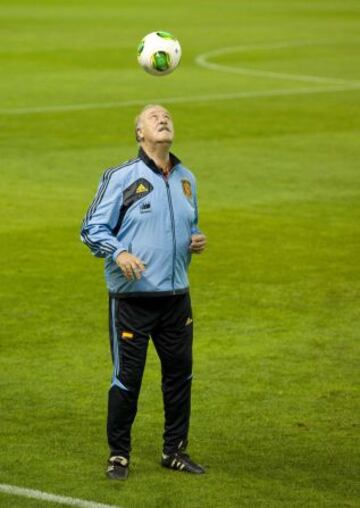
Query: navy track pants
point(167, 320)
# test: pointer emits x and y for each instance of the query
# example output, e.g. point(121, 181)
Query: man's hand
point(198, 243)
point(131, 266)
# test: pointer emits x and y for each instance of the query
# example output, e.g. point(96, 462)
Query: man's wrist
point(117, 252)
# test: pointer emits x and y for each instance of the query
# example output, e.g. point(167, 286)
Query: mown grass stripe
point(246, 94)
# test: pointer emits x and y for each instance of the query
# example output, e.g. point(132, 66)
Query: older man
point(144, 222)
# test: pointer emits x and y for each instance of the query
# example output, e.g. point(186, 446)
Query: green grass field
point(271, 130)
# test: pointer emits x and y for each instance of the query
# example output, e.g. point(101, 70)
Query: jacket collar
point(151, 164)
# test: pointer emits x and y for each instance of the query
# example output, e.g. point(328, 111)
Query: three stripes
point(100, 248)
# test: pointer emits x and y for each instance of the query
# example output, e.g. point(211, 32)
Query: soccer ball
point(159, 53)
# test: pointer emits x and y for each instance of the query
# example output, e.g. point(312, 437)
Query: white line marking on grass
point(51, 498)
point(203, 61)
point(339, 85)
point(178, 100)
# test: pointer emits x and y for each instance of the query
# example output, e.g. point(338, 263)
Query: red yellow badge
point(186, 185)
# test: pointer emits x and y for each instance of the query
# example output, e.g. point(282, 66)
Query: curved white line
point(179, 100)
point(245, 48)
point(51, 498)
point(203, 61)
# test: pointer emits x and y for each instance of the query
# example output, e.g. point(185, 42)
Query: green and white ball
point(159, 53)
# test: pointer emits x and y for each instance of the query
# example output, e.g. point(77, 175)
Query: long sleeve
point(195, 228)
point(102, 216)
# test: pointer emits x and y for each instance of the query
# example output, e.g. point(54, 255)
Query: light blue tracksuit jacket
point(138, 210)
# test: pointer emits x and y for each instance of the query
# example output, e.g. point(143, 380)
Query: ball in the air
point(159, 53)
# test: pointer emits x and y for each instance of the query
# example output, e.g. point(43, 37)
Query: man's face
point(156, 126)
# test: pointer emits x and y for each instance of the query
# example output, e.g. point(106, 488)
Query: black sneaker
point(180, 461)
point(118, 468)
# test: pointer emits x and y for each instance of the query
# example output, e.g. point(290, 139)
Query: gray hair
point(138, 119)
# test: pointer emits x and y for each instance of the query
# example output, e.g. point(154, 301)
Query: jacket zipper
point(172, 219)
